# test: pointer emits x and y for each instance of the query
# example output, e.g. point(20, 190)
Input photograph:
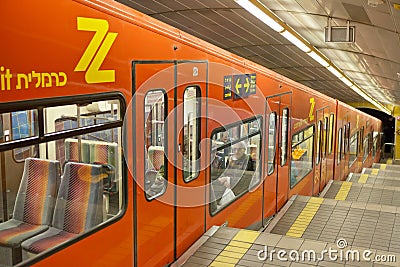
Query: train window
point(344, 142)
point(235, 160)
point(319, 131)
point(284, 133)
point(348, 138)
point(23, 124)
point(302, 155)
point(155, 178)
point(325, 137)
point(91, 190)
point(361, 140)
point(375, 145)
point(353, 149)
point(366, 146)
point(191, 132)
point(271, 142)
point(339, 146)
point(330, 132)
point(1, 129)
point(78, 116)
point(19, 125)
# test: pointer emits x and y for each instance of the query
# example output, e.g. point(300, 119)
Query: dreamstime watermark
point(340, 253)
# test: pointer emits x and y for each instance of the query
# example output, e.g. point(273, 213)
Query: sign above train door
point(239, 86)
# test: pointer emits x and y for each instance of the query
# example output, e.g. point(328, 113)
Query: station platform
point(382, 166)
point(366, 225)
point(362, 192)
point(357, 220)
point(389, 180)
point(302, 234)
point(226, 247)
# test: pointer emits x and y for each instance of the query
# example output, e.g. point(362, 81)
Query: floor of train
point(352, 223)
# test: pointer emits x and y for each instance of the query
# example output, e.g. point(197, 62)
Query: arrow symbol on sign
point(247, 84)
point(238, 85)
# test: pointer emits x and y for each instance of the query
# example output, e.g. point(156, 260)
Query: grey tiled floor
point(367, 193)
point(268, 242)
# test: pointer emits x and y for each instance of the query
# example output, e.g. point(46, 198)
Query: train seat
point(106, 154)
point(98, 152)
point(72, 152)
point(95, 152)
point(33, 208)
point(155, 161)
point(79, 207)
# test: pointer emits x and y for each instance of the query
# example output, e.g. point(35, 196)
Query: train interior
point(82, 176)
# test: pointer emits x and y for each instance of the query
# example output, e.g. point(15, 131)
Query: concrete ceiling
point(372, 61)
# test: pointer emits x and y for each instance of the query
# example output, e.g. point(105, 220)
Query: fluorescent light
point(346, 81)
point(334, 71)
point(258, 13)
point(296, 41)
point(368, 98)
point(319, 59)
point(266, 16)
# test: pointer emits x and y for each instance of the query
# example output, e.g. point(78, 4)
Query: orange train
point(122, 139)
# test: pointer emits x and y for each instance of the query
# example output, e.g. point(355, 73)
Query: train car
point(358, 140)
point(123, 139)
point(312, 142)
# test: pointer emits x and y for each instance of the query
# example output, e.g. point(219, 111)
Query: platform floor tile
point(360, 224)
point(374, 179)
point(269, 249)
point(365, 193)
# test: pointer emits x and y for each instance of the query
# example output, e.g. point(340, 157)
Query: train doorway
point(321, 161)
point(169, 195)
point(190, 126)
point(278, 114)
point(153, 161)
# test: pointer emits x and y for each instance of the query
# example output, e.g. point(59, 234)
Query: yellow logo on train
point(312, 105)
point(96, 51)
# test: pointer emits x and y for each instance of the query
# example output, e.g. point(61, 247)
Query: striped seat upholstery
point(106, 153)
point(72, 152)
point(79, 207)
point(33, 208)
point(156, 157)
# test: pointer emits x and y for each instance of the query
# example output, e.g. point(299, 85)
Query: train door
point(321, 161)
point(346, 144)
point(153, 162)
point(340, 162)
point(190, 123)
point(278, 113)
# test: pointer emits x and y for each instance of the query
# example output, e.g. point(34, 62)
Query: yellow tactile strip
point(383, 167)
point(374, 171)
point(303, 220)
point(236, 249)
point(363, 178)
point(343, 191)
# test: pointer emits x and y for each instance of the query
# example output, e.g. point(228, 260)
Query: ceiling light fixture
point(346, 81)
point(296, 41)
point(256, 9)
point(264, 14)
point(335, 71)
point(319, 58)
